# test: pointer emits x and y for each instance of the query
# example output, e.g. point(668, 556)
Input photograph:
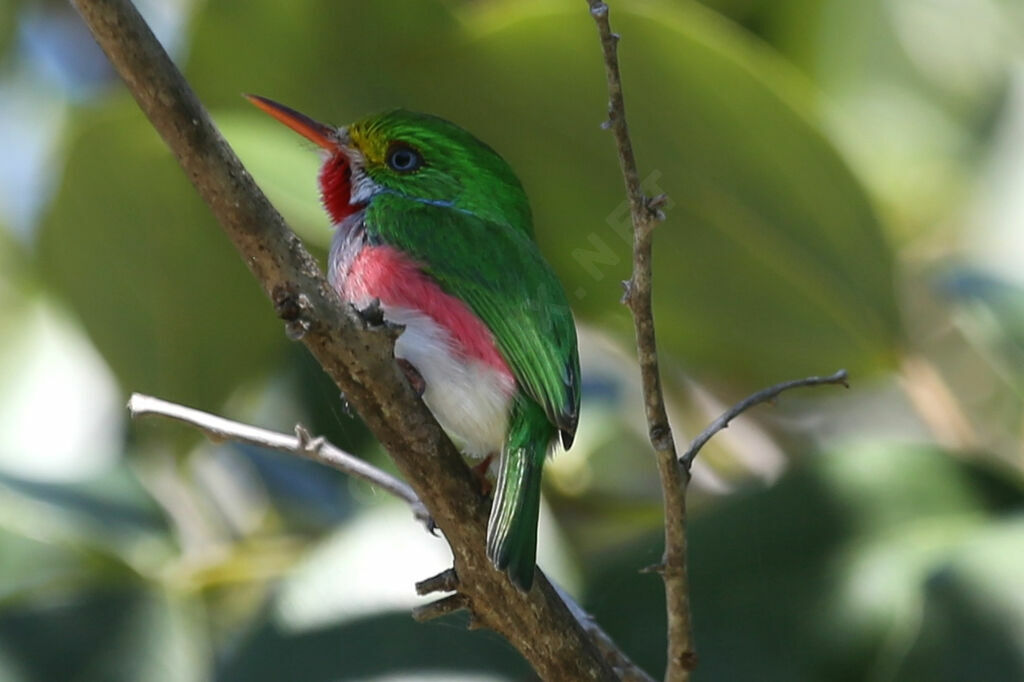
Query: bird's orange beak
point(322, 135)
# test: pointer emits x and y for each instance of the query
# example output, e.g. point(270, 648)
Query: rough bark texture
point(358, 357)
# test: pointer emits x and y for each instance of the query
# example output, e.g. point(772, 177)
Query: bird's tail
point(512, 529)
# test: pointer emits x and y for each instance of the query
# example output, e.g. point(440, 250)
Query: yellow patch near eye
point(373, 146)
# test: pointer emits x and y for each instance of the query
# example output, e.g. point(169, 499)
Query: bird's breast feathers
point(469, 385)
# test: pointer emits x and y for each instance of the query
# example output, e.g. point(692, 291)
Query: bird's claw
point(412, 375)
point(480, 474)
point(372, 314)
point(424, 517)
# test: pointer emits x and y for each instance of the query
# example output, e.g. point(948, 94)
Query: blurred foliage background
point(846, 190)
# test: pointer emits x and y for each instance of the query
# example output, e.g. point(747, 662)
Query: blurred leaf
point(16, 286)
point(380, 554)
point(8, 25)
point(335, 60)
point(55, 538)
point(915, 88)
point(325, 411)
point(137, 254)
point(787, 24)
point(28, 565)
point(395, 642)
point(116, 501)
point(818, 577)
point(50, 369)
point(112, 634)
point(284, 167)
point(772, 262)
point(995, 313)
point(9, 669)
point(975, 598)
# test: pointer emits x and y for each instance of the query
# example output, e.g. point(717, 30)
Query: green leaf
point(829, 574)
point(284, 167)
point(28, 565)
point(16, 282)
point(136, 253)
point(8, 24)
point(387, 645)
point(975, 598)
point(916, 93)
point(772, 262)
point(56, 538)
point(333, 60)
point(108, 634)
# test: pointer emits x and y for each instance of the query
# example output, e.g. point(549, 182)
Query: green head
point(431, 159)
point(418, 156)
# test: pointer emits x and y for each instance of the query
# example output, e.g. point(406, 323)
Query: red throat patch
point(336, 187)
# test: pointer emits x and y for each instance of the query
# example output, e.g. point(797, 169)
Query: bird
point(434, 227)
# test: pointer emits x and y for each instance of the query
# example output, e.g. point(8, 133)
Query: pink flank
point(384, 273)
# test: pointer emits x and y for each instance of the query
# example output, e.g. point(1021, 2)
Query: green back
point(500, 274)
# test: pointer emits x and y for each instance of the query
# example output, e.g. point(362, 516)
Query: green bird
point(433, 225)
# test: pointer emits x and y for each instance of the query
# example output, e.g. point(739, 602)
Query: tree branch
point(762, 396)
point(674, 471)
point(441, 607)
point(645, 214)
point(357, 357)
point(302, 444)
point(320, 450)
point(445, 581)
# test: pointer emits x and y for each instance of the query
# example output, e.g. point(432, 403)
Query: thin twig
point(358, 357)
point(445, 581)
point(441, 607)
point(762, 396)
point(645, 214)
point(302, 444)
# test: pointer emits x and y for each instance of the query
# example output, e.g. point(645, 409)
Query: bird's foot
point(373, 315)
point(413, 376)
point(480, 474)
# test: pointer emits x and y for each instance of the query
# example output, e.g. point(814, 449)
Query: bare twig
point(645, 214)
point(441, 607)
point(359, 358)
point(445, 581)
point(762, 396)
point(316, 449)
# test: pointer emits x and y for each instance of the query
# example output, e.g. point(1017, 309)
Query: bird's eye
point(404, 159)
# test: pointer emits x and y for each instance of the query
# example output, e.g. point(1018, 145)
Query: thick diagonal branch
point(359, 360)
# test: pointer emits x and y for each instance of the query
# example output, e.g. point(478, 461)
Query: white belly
point(470, 399)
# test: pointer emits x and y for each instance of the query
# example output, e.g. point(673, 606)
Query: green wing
point(500, 274)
